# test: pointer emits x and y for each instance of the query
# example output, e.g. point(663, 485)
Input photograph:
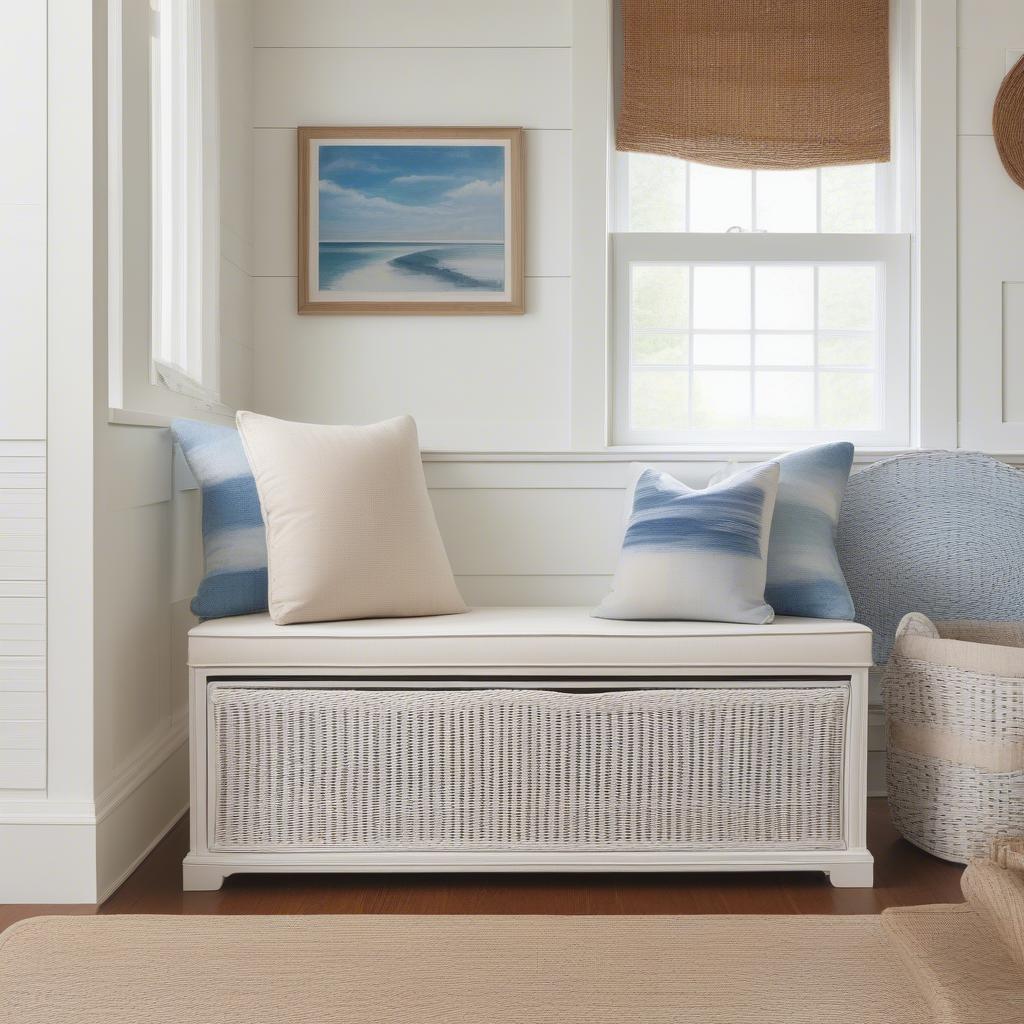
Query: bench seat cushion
point(528, 638)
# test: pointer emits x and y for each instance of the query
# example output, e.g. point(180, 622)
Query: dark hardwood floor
point(904, 876)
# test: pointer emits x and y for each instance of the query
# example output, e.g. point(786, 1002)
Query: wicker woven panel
point(971, 704)
point(952, 811)
point(955, 737)
point(791, 83)
point(1007, 116)
point(655, 769)
point(935, 532)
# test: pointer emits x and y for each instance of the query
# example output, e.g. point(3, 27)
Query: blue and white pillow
point(695, 554)
point(804, 575)
point(234, 539)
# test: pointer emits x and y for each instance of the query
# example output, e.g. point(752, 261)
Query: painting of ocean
point(374, 267)
point(402, 220)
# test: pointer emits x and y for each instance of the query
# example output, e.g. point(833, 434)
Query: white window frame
point(893, 251)
point(184, 238)
point(890, 252)
point(888, 190)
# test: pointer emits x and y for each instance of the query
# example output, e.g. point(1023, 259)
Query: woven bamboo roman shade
point(756, 83)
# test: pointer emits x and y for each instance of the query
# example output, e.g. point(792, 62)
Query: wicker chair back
point(935, 532)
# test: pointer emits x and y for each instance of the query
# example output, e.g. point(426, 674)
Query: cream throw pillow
point(351, 532)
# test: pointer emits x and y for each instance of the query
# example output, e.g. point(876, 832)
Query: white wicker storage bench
point(528, 739)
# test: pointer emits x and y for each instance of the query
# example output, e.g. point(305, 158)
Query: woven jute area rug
point(728, 969)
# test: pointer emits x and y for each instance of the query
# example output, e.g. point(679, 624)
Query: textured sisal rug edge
point(351, 970)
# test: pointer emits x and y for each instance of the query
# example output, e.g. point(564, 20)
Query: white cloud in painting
point(412, 193)
point(332, 191)
point(476, 188)
point(421, 179)
point(470, 212)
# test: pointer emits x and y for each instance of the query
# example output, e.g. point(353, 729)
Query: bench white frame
point(206, 869)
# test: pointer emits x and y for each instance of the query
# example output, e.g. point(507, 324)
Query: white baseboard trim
point(107, 891)
point(47, 862)
point(135, 814)
point(47, 812)
point(139, 771)
point(77, 851)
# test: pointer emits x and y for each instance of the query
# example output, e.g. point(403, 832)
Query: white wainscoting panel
point(991, 226)
point(23, 87)
point(22, 615)
point(1013, 351)
point(22, 319)
point(530, 532)
point(991, 221)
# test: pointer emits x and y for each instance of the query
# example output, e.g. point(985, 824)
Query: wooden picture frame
point(367, 187)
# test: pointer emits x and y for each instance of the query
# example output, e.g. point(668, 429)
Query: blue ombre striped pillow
point(690, 554)
point(234, 540)
point(804, 575)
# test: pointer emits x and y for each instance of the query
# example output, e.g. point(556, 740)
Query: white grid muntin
point(888, 254)
point(886, 191)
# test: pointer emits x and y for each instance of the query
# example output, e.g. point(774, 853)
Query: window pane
point(721, 349)
point(659, 400)
point(784, 298)
point(848, 198)
point(836, 199)
point(784, 400)
point(660, 348)
point(846, 350)
point(721, 299)
point(785, 349)
point(720, 198)
point(660, 296)
point(721, 374)
point(846, 298)
point(787, 200)
point(657, 193)
point(721, 398)
point(847, 401)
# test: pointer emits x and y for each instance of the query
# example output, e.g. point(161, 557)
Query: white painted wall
point(471, 382)
point(23, 400)
point(991, 218)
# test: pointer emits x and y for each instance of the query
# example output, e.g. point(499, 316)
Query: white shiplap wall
point(991, 223)
point(22, 614)
point(471, 382)
point(23, 398)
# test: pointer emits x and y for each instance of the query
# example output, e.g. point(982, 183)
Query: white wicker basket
point(954, 700)
point(682, 769)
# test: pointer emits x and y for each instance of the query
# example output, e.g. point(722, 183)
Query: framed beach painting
point(411, 220)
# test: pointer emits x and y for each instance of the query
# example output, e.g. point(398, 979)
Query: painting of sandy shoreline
point(411, 220)
point(412, 266)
